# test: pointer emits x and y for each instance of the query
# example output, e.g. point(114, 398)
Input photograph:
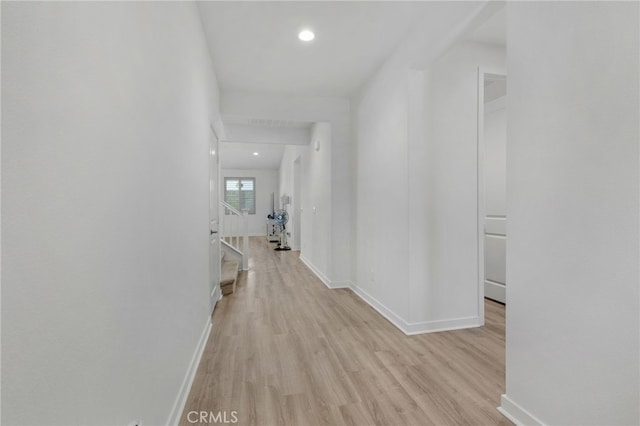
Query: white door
point(495, 220)
point(214, 240)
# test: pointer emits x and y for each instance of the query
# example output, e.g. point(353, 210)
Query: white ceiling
point(268, 138)
point(234, 155)
point(493, 30)
point(255, 47)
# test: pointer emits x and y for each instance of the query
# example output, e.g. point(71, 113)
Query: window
point(240, 193)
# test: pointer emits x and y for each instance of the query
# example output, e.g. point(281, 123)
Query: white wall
point(266, 184)
point(573, 206)
point(495, 157)
point(238, 133)
point(332, 175)
point(401, 122)
point(382, 192)
point(316, 221)
point(315, 170)
point(286, 182)
point(451, 175)
point(106, 110)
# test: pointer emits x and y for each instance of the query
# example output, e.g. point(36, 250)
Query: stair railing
point(234, 230)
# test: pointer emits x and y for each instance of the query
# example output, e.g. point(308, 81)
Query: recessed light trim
point(306, 35)
point(255, 153)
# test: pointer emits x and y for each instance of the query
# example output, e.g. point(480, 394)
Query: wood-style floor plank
point(286, 350)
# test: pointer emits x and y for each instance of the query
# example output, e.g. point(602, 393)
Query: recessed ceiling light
point(255, 153)
point(306, 35)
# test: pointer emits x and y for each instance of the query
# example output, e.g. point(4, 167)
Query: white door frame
point(482, 72)
point(297, 203)
point(214, 205)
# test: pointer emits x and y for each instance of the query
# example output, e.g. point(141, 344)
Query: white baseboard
point(325, 280)
point(382, 310)
point(341, 284)
point(217, 296)
point(517, 414)
point(442, 325)
point(495, 291)
point(185, 388)
point(407, 328)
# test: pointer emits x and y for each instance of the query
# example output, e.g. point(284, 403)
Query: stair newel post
point(236, 232)
point(245, 240)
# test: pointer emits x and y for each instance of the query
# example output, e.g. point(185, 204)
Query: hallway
point(285, 349)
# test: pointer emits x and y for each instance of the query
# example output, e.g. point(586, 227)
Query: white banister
point(234, 227)
point(230, 208)
point(245, 241)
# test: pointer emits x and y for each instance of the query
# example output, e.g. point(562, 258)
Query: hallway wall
point(382, 195)
point(450, 174)
point(106, 110)
point(412, 281)
point(285, 179)
point(315, 181)
point(573, 204)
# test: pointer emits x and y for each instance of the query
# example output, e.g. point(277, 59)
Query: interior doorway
point(492, 170)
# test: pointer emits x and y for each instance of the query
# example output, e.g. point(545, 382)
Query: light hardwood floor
point(285, 350)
